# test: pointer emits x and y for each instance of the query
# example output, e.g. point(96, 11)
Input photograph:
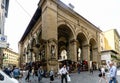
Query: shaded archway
point(81, 50)
point(64, 36)
point(28, 53)
point(25, 55)
point(93, 46)
point(93, 53)
point(32, 49)
point(41, 47)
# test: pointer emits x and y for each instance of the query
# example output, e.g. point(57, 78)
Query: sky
point(104, 14)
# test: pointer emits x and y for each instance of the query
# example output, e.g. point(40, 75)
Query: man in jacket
point(113, 72)
point(63, 72)
point(16, 73)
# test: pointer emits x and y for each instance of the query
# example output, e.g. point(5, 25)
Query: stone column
point(49, 29)
point(52, 61)
point(86, 53)
point(95, 56)
point(73, 50)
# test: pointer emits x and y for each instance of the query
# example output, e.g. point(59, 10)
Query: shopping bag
point(100, 74)
point(116, 81)
point(68, 78)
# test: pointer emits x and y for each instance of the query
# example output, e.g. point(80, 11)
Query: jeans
point(78, 70)
point(113, 80)
point(64, 76)
point(28, 76)
point(39, 78)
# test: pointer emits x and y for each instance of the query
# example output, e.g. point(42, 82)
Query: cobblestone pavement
point(83, 77)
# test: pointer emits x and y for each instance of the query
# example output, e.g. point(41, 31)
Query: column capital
point(52, 40)
point(95, 48)
point(86, 45)
point(73, 41)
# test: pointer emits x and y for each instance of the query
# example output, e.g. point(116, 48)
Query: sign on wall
point(3, 38)
point(3, 41)
point(106, 57)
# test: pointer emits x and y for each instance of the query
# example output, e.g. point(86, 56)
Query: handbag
point(68, 78)
point(100, 74)
point(116, 81)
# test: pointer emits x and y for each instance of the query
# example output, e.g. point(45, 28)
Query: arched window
point(64, 54)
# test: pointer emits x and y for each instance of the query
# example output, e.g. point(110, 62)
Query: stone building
point(56, 32)
point(4, 5)
point(10, 58)
point(111, 50)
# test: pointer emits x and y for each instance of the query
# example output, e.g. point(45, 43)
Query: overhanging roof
point(109, 51)
point(38, 14)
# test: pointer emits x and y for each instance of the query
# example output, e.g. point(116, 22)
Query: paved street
point(83, 77)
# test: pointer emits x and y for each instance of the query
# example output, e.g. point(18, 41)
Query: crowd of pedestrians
point(63, 73)
point(12, 72)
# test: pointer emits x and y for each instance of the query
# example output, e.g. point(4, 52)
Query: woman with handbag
point(102, 74)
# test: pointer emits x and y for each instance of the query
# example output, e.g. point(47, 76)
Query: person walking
point(33, 72)
point(113, 73)
point(16, 73)
point(28, 74)
point(102, 74)
point(51, 75)
point(78, 67)
point(40, 73)
point(91, 70)
point(63, 72)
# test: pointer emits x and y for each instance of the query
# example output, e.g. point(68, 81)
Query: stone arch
point(64, 22)
point(32, 49)
point(64, 54)
point(28, 52)
point(25, 54)
point(82, 42)
point(86, 34)
point(65, 35)
point(36, 41)
point(93, 53)
point(93, 42)
point(62, 39)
